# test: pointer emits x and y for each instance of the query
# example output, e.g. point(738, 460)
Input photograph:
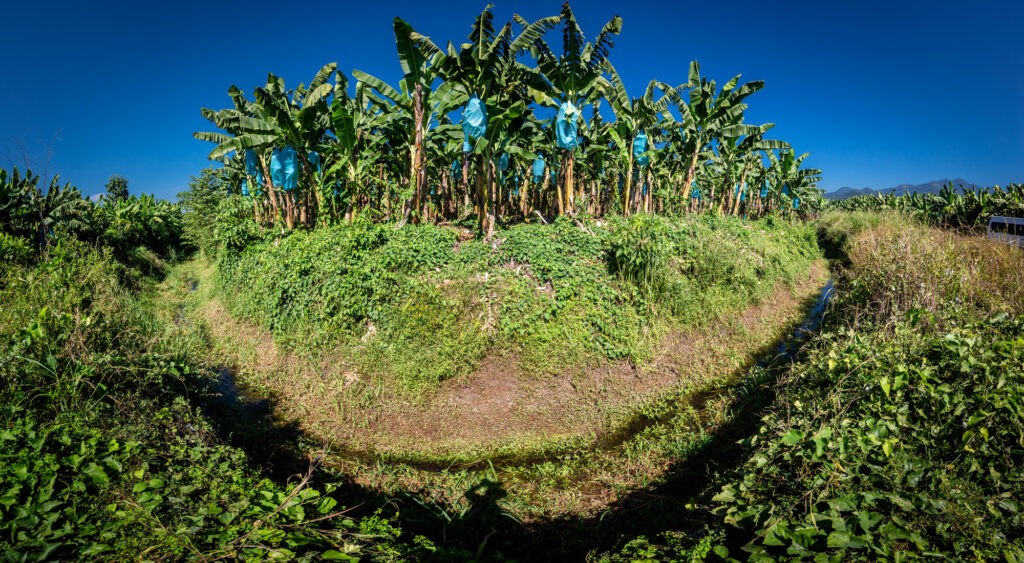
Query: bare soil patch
point(498, 405)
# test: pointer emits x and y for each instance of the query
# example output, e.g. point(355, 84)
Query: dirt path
point(498, 405)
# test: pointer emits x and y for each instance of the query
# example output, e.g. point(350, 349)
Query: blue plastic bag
point(639, 148)
point(284, 168)
point(695, 193)
point(538, 169)
point(764, 190)
point(474, 122)
point(785, 189)
point(314, 159)
point(503, 162)
point(252, 163)
point(276, 168)
point(796, 203)
point(245, 188)
point(566, 129)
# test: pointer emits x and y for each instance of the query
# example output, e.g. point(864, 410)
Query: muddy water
point(788, 347)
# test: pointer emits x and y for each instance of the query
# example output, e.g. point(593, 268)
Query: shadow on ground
point(477, 527)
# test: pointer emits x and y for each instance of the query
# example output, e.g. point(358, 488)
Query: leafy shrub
point(892, 444)
point(13, 252)
point(638, 252)
point(103, 455)
point(420, 305)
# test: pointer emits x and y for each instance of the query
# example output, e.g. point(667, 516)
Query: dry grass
point(909, 267)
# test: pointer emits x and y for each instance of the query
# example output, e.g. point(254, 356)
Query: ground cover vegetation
point(107, 450)
point(420, 304)
point(899, 434)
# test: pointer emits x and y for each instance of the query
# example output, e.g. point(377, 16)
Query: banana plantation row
point(962, 208)
point(502, 126)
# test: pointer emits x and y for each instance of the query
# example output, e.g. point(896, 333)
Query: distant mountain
point(902, 189)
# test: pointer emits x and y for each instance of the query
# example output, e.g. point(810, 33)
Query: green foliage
point(117, 188)
point(103, 455)
point(140, 221)
point(38, 217)
point(672, 546)
point(50, 477)
point(963, 209)
point(142, 231)
point(892, 445)
point(725, 263)
point(639, 252)
point(13, 252)
point(417, 304)
point(230, 231)
point(198, 204)
point(564, 308)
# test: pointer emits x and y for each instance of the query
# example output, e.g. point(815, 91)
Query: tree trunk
point(569, 182)
point(544, 189)
point(558, 191)
point(690, 172)
point(628, 186)
point(522, 195)
point(280, 208)
point(417, 164)
point(736, 205)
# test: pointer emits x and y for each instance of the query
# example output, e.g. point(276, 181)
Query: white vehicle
point(1007, 229)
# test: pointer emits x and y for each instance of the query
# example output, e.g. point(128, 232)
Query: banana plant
point(707, 115)
point(356, 151)
point(739, 151)
point(488, 68)
point(278, 119)
point(572, 81)
point(633, 117)
point(414, 106)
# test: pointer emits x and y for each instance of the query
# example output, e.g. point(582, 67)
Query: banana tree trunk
point(736, 204)
point(649, 199)
point(544, 190)
point(690, 172)
point(465, 184)
point(523, 202)
point(569, 182)
point(627, 186)
point(280, 208)
point(558, 192)
point(417, 162)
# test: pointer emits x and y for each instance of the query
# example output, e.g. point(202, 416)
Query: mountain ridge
point(933, 187)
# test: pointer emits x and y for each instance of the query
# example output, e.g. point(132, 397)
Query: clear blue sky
point(880, 93)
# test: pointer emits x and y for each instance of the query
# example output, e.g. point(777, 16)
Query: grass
point(107, 444)
point(418, 305)
point(536, 467)
point(888, 438)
